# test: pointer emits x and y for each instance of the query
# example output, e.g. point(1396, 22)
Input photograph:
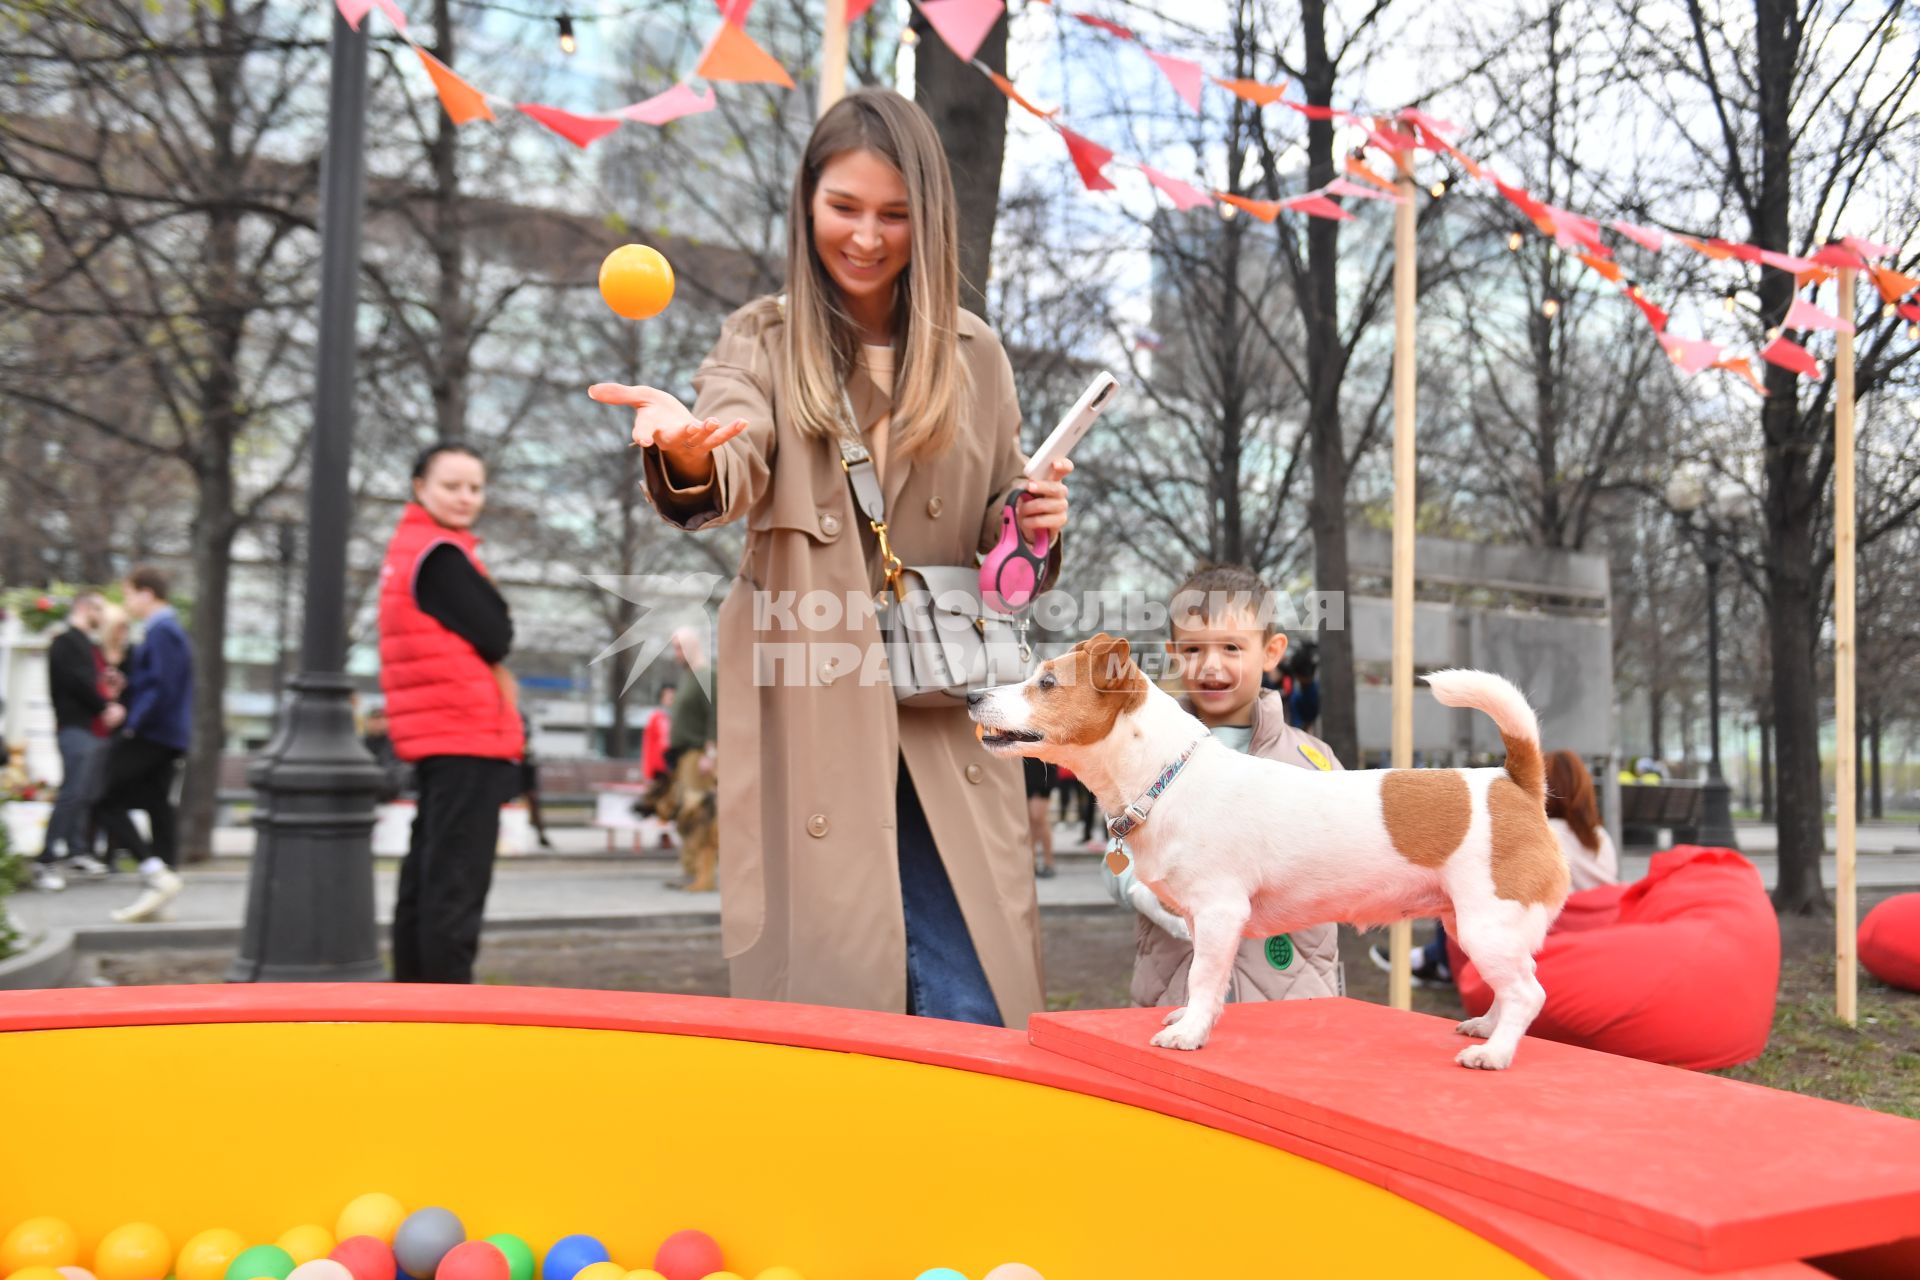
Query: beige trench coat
point(809, 741)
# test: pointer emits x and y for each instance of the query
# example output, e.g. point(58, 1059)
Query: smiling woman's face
point(454, 489)
point(860, 226)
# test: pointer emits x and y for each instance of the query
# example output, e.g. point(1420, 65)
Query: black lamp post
point(1716, 810)
point(310, 915)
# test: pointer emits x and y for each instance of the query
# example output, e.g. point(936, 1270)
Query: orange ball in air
point(636, 281)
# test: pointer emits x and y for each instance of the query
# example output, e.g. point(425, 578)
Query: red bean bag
point(1889, 941)
point(1681, 967)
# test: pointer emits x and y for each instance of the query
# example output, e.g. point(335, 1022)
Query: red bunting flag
point(736, 11)
point(1006, 86)
point(1691, 354)
point(1312, 112)
point(1318, 206)
point(1647, 238)
point(1183, 194)
point(1804, 315)
point(1388, 136)
point(1265, 210)
point(1089, 157)
point(462, 101)
point(1430, 140)
point(732, 56)
point(1523, 202)
point(1111, 28)
point(1838, 256)
point(963, 24)
point(1260, 95)
point(1744, 367)
point(857, 9)
point(1186, 77)
point(1892, 285)
point(1655, 316)
point(579, 130)
point(1911, 310)
point(1428, 123)
point(1790, 355)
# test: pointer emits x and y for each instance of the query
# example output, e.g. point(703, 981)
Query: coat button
point(935, 507)
point(975, 773)
point(817, 825)
point(827, 672)
point(829, 524)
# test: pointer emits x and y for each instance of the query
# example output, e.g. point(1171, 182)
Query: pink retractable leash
point(1010, 575)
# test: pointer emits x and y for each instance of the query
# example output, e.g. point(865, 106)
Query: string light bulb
point(1514, 241)
point(909, 37)
point(1550, 308)
point(1913, 329)
point(1729, 302)
point(1773, 333)
point(567, 43)
point(1438, 189)
point(1227, 212)
point(1887, 311)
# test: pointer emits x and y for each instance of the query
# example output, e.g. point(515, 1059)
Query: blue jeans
point(944, 977)
point(79, 783)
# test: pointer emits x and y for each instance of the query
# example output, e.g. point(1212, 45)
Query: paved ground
point(582, 885)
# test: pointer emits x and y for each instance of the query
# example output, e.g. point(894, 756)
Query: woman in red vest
point(451, 711)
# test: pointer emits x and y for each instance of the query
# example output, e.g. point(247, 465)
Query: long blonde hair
point(930, 387)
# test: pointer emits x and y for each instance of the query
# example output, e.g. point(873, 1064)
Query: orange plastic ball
point(636, 281)
point(137, 1251)
point(39, 1242)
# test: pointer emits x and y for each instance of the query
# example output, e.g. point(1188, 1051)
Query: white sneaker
point(85, 864)
point(46, 879)
point(163, 886)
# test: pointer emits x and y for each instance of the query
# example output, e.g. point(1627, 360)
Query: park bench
point(1647, 807)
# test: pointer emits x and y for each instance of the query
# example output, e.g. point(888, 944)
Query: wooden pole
point(1400, 938)
point(833, 55)
point(1845, 743)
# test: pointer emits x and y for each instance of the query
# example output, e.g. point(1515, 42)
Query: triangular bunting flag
point(1183, 194)
point(1316, 205)
point(681, 100)
point(1525, 203)
point(736, 11)
point(579, 130)
point(1358, 168)
point(1815, 276)
point(1611, 270)
point(354, 10)
point(1892, 285)
point(462, 101)
point(857, 9)
point(1390, 137)
point(1744, 367)
point(1866, 248)
point(1691, 354)
point(1312, 112)
point(1006, 86)
point(1112, 28)
point(963, 24)
point(1804, 315)
point(733, 57)
point(1911, 310)
point(1260, 95)
point(1427, 122)
point(1467, 162)
point(1341, 187)
point(1583, 230)
point(1265, 210)
point(1646, 237)
point(1786, 262)
point(1089, 157)
point(1655, 316)
point(1701, 246)
point(1186, 76)
point(1838, 256)
point(1790, 355)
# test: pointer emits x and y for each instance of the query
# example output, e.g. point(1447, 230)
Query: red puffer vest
point(442, 699)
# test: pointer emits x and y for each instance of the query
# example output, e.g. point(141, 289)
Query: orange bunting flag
point(579, 130)
point(1260, 95)
point(1005, 86)
point(1815, 276)
point(1358, 168)
point(732, 56)
point(462, 101)
point(1183, 194)
point(1744, 367)
point(1701, 246)
point(1790, 355)
point(1265, 210)
point(1611, 270)
point(1089, 157)
point(1892, 285)
point(1318, 206)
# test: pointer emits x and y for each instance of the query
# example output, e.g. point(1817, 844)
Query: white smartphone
point(1098, 395)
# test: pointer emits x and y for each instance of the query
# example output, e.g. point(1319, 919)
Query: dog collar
point(1136, 813)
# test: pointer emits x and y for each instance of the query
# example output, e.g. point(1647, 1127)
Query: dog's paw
point(1483, 1057)
point(1173, 1016)
point(1480, 1027)
point(1188, 1033)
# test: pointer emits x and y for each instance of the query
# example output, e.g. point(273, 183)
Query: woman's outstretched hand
point(659, 419)
point(1045, 510)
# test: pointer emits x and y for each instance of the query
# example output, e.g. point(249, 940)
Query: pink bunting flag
point(1341, 187)
point(1804, 315)
point(1866, 248)
point(1391, 139)
point(1584, 231)
point(1428, 123)
point(579, 130)
point(1646, 237)
point(1691, 354)
point(1111, 28)
point(661, 108)
point(1786, 262)
point(963, 24)
point(1316, 205)
point(1186, 76)
point(1790, 355)
point(1183, 194)
point(1089, 157)
point(354, 10)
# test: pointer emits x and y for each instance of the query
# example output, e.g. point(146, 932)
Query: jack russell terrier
point(1237, 846)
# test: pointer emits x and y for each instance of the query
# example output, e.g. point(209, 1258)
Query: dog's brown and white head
point(1072, 701)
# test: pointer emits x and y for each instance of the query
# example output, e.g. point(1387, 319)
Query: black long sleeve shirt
point(73, 680)
point(458, 596)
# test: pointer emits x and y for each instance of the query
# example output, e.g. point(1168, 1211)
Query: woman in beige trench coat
point(871, 856)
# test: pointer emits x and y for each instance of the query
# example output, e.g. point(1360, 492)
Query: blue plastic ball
point(941, 1273)
point(570, 1255)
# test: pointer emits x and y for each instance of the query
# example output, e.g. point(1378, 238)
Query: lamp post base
point(1716, 814)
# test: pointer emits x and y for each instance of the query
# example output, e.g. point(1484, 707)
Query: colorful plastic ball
point(76, 1273)
point(366, 1257)
point(517, 1252)
point(636, 281)
point(37, 1273)
point(940, 1273)
point(601, 1271)
point(474, 1260)
point(1014, 1271)
point(570, 1256)
point(136, 1251)
point(427, 1236)
point(207, 1255)
point(646, 1273)
point(321, 1269)
point(262, 1262)
point(375, 1214)
point(39, 1242)
point(779, 1273)
point(725, 1275)
point(307, 1243)
point(688, 1255)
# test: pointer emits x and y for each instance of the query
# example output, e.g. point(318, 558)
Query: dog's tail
point(1519, 727)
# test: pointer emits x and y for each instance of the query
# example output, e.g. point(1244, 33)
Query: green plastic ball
point(262, 1262)
point(519, 1254)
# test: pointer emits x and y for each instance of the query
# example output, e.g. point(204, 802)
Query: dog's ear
point(1111, 660)
point(1093, 642)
